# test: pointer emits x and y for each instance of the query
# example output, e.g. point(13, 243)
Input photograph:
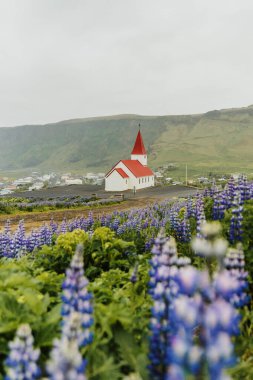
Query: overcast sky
point(63, 59)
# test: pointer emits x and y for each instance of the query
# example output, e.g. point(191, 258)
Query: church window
point(139, 181)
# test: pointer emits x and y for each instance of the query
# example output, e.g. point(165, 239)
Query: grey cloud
point(63, 59)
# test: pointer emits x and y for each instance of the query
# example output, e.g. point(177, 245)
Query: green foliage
point(28, 295)
point(107, 252)
point(51, 258)
point(68, 241)
point(122, 312)
point(30, 292)
point(103, 234)
point(5, 208)
point(208, 207)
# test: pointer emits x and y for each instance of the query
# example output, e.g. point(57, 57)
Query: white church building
point(133, 174)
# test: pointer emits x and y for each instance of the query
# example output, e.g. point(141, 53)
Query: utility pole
point(186, 175)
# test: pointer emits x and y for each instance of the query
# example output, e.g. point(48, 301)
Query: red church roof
point(139, 147)
point(137, 168)
point(122, 173)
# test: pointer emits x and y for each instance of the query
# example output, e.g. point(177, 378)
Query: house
point(36, 186)
point(158, 175)
point(23, 181)
point(133, 174)
point(74, 181)
point(6, 192)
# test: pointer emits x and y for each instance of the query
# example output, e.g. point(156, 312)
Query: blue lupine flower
point(164, 290)
point(234, 263)
point(77, 298)
point(235, 231)
point(200, 215)
point(21, 363)
point(188, 280)
point(160, 281)
point(66, 362)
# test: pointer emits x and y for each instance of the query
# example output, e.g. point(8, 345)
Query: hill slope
point(212, 140)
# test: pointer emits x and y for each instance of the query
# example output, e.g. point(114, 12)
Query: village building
point(133, 174)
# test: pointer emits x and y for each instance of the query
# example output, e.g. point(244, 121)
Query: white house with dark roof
point(133, 174)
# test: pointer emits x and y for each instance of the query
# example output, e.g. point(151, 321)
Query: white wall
point(135, 181)
point(114, 182)
point(143, 159)
point(144, 182)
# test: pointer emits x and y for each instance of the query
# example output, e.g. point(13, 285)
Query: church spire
point(139, 147)
point(139, 152)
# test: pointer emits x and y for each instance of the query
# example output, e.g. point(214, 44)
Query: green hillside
point(217, 140)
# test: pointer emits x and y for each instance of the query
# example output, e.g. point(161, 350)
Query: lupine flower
point(76, 297)
point(211, 245)
point(184, 231)
point(243, 188)
point(235, 231)
point(21, 364)
point(160, 280)
point(164, 290)
point(66, 362)
point(200, 215)
point(188, 280)
point(234, 263)
point(219, 206)
point(231, 190)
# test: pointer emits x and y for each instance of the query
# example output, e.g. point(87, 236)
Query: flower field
point(159, 293)
point(14, 205)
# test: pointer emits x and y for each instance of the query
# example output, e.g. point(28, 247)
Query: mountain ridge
point(205, 141)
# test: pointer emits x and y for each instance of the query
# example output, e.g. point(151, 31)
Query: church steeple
point(139, 152)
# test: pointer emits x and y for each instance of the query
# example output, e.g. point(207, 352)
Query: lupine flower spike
point(66, 362)
point(76, 297)
point(21, 364)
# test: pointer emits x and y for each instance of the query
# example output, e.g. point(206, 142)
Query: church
point(133, 174)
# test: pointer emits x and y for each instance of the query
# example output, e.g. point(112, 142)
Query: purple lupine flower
point(184, 230)
point(235, 265)
point(182, 351)
point(210, 246)
point(53, 226)
point(190, 211)
point(235, 231)
point(200, 215)
point(219, 206)
point(244, 188)
point(77, 298)
point(164, 290)
point(66, 362)
point(90, 219)
point(220, 320)
point(21, 362)
point(231, 191)
point(159, 323)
